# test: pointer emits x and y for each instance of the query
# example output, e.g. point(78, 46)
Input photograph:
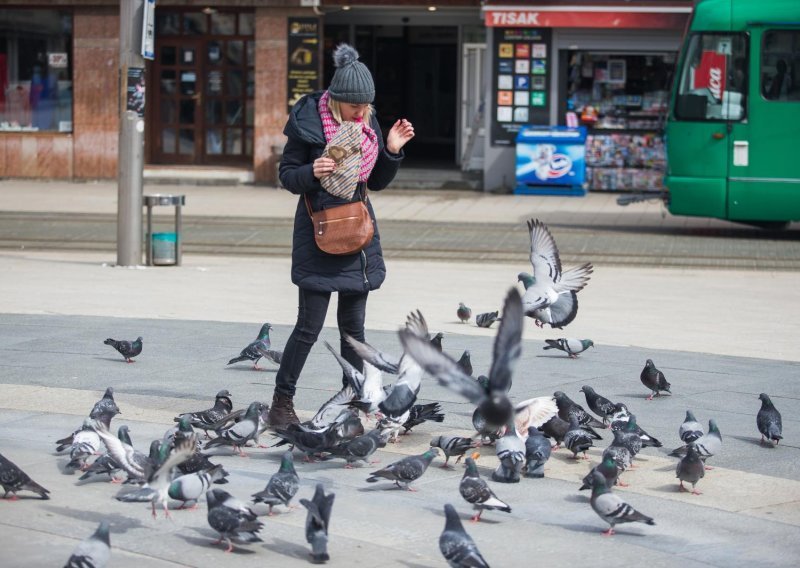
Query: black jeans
point(313, 306)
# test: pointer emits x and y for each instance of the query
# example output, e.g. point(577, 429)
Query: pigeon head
point(264, 331)
point(586, 343)
point(690, 416)
point(431, 454)
point(462, 306)
point(287, 463)
point(124, 434)
point(223, 394)
point(453, 523)
point(253, 410)
point(436, 441)
point(102, 533)
point(216, 497)
point(598, 483)
point(764, 398)
point(471, 468)
point(587, 389)
point(438, 336)
point(526, 279)
point(649, 364)
point(712, 427)
point(184, 424)
point(139, 339)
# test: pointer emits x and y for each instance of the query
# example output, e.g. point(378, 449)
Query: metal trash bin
point(164, 248)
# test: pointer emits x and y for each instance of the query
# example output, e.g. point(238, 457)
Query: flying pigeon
point(707, 445)
point(258, 349)
point(465, 363)
point(690, 469)
point(365, 389)
point(92, 552)
point(282, 486)
point(609, 470)
point(550, 294)
point(403, 472)
point(476, 491)
point(452, 446)
point(537, 452)
point(568, 408)
point(456, 545)
point(690, 429)
point(510, 449)
point(13, 479)
point(611, 508)
point(486, 319)
point(654, 379)
point(361, 447)
point(133, 462)
point(241, 432)
point(571, 347)
point(317, 521)
point(577, 440)
point(231, 518)
point(533, 412)
point(205, 419)
point(768, 420)
point(128, 349)
point(463, 312)
point(598, 404)
point(419, 413)
point(188, 488)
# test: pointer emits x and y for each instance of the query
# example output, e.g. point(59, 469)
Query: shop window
point(780, 65)
point(35, 70)
point(713, 83)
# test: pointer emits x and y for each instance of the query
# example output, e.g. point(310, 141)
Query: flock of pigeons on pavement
point(178, 467)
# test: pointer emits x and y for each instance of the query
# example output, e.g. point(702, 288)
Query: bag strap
point(308, 201)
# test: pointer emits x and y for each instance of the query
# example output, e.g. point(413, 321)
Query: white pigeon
point(366, 387)
point(533, 412)
point(550, 293)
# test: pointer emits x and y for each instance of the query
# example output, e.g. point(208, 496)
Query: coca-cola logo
point(715, 82)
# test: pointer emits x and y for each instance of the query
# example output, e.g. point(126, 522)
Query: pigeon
point(310, 442)
point(619, 452)
point(494, 407)
point(282, 486)
point(199, 462)
point(533, 412)
point(361, 447)
point(188, 488)
point(128, 349)
point(103, 465)
point(85, 444)
point(550, 294)
point(456, 545)
point(476, 491)
point(510, 449)
point(621, 413)
point(366, 389)
point(537, 452)
point(609, 470)
point(452, 446)
point(13, 479)
point(317, 521)
point(707, 445)
point(465, 363)
point(571, 347)
point(182, 431)
point(486, 319)
point(205, 419)
point(105, 406)
point(332, 407)
point(768, 421)
point(92, 552)
point(654, 379)
point(391, 427)
point(241, 432)
point(611, 508)
point(419, 413)
point(258, 349)
point(567, 408)
point(405, 471)
point(598, 404)
point(436, 341)
point(629, 437)
point(463, 312)
point(690, 469)
point(630, 425)
point(137, 465)
point(577, 440)
point(556, 429)
point(690, 429)
point(231, 518)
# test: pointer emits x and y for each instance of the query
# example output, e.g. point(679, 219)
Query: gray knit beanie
point(352, 81)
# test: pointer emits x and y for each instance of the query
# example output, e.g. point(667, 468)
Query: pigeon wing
point(507, 344)
point(544, 253)
point(379, 359)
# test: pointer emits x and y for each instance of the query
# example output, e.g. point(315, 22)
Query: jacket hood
point(304, 121)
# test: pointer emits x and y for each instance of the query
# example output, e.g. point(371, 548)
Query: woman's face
point(353, 112)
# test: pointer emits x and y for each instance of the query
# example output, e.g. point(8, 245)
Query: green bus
point(733, 127)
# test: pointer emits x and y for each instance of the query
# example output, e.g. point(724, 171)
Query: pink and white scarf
point(369, 142)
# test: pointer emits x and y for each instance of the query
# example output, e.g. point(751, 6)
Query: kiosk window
point(780, 65)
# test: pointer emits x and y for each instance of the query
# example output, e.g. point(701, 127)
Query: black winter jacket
point(313, 269)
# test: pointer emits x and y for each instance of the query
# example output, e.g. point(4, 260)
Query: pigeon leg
point(695, 491)
point(153, 506)
point(609, 532)
point(348, 465)
point(622, 483)
point(708, 468)
point(573, 356)
point(445, 465)
point(129, 361)
point(650, 397)
point(241, 452)
point(477, 517)
point(681, 488)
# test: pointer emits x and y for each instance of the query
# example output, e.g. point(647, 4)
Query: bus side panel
point(701, 197)
point(767, 200)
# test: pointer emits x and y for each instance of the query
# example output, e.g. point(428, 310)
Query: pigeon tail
point(238, 359)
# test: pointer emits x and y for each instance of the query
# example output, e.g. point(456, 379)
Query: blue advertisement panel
point(551, 159)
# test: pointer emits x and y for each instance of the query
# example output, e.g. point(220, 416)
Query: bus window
point(713, 81)
point(780, 65)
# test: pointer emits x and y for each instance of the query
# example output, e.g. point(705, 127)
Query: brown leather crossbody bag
point(345, 229)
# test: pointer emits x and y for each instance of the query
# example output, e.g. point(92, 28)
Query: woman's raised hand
point(402, 131)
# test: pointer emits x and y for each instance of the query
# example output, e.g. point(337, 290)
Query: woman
point(313, 121)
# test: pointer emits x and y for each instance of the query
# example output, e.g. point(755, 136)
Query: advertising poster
point(135, 91)
point(520, 80)
point(304, 72)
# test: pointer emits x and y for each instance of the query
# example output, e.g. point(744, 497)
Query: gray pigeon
point(611, 508)
point(707, 445)
point(436, 341)
point(577, 440)
point(419, 413)
point(510, 449)
point(690, 429)
point(690, 469)
point(282, 486)
point(205, 419)
point(465, 363)
point(476, 491)
point(654, 379)
point(550, 293)
point(258, 349)
point(568, 408)
point(137, 465)
point(452, 446)
point(128, 349)
point(608, 468)
point(231, 518)
point(188, 488)
point(93, 552)
point(463, 312)
point(105, 406)
point(620, 453)
point(630, 425)
point(13, 479)
point(317, 521)
point(241, 432)
point(456, 545)
point(312, 443)
point(537, 452)
point(361, 447)
point(486, 319)
point(85, 444)
point(768, 421)
point(598, 404)
point(405, 471)
point(572, 347)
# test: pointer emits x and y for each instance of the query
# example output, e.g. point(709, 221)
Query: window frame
point(761, 64)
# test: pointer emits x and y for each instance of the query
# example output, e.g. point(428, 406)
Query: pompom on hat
point(352, 82)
